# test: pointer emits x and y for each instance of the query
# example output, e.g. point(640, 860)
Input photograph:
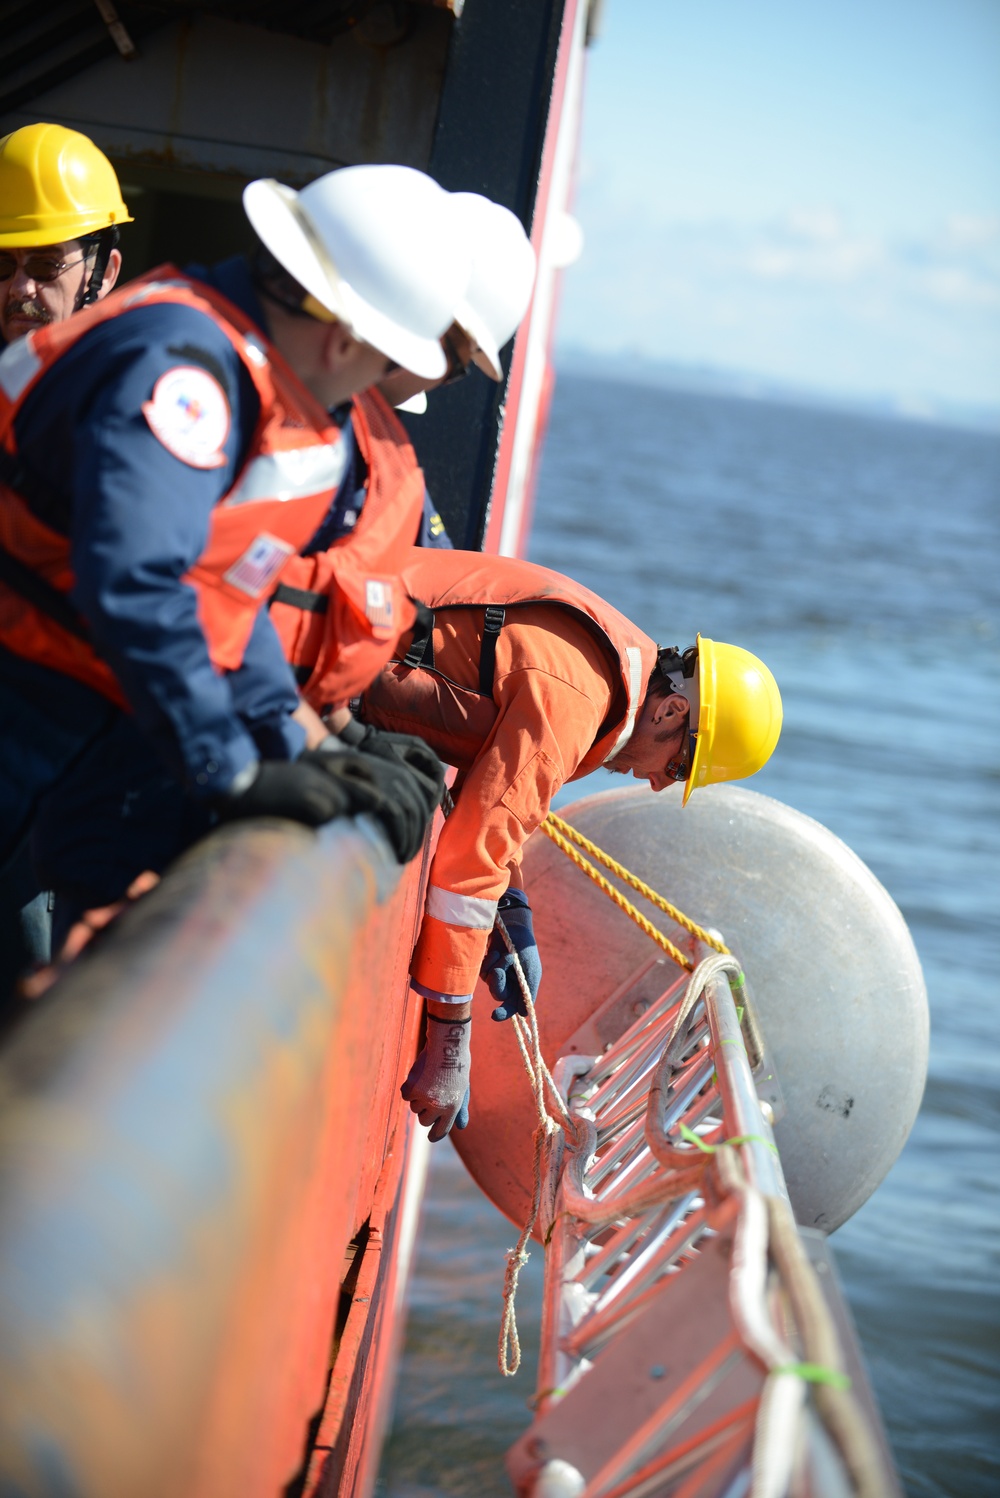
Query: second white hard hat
point(382, 247)
point(503, 276)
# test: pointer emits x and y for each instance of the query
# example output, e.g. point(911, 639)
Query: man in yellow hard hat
point(60, 207)
point(523, 679)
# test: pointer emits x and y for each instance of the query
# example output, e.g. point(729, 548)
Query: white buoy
point(835, 978)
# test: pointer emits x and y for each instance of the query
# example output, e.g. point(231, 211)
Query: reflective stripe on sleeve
point(293, 474)
point(461, 910)
point(634, 655)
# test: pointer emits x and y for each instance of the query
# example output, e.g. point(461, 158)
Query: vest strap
point(492, 626)
point(421, 651)
point(48, 600)
point(301, 598)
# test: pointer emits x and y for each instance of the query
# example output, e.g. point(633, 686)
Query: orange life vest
point(340, 612)
point(469, 714)
point(443, 580)
point(280, 495)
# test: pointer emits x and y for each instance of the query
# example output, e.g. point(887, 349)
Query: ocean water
point(859, 557)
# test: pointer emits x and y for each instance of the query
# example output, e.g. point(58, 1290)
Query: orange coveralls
point(557, 698)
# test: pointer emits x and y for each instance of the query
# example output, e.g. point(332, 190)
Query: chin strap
point(105, 241)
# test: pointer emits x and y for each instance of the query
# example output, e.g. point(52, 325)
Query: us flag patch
point(378, 603)
point(260, 564)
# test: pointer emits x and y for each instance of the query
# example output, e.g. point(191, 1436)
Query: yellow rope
point(564, 836)
point(526, 1030)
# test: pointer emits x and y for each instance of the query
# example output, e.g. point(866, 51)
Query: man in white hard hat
point(497, 298)
point(317, 585)
point(167, 452)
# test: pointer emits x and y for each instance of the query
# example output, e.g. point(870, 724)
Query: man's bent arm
point(141, 519)
point(505, 796)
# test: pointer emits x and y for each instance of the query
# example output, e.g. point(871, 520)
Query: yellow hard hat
point(739, 715)
point(55, 185)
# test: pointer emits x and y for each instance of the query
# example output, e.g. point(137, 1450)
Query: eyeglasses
point(681, 769)
point(458, 367)
point(40, 268)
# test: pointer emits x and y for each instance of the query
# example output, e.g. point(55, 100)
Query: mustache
point(27, 307)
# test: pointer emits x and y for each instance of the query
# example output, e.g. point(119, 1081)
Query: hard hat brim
point(279, 224)
point(416, 405)
point(487, 355)
point(285, 229)
point(421, 356)
point(705, 668)
point(44, 236)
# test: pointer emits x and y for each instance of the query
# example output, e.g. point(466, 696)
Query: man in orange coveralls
point(523, 679)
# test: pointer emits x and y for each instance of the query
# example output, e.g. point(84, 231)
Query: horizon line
point(626, 366)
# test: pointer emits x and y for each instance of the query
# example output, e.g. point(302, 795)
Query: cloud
point(971, 231)
point(958, 264)
point(811, 247)
point(803, 296)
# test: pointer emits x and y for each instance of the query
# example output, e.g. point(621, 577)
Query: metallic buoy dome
point(835, 979)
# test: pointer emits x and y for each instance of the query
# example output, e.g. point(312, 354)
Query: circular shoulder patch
point(189, 413)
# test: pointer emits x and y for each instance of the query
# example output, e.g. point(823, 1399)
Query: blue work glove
point(498, 964)
point(437, 1087)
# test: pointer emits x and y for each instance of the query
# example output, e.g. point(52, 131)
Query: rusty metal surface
point(208, 94)
point(344, 1459)
point(191, 1129)
point(43, 45)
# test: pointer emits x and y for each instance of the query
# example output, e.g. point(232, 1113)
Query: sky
point(804, 191)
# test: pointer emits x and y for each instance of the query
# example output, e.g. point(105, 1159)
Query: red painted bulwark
point(194, 1126)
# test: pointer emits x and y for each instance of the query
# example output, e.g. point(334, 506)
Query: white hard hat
point(503, 275)
point(381, 247)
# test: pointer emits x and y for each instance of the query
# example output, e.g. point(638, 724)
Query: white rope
point(540, 1078)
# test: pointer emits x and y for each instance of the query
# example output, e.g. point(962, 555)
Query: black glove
point(405, 747)
point(403, 798)
point(295, 789)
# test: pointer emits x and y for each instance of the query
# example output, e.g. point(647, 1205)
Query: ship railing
point(207, 1199)
point(694, 1340)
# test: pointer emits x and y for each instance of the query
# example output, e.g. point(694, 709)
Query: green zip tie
point(737, 980)
point(709, 1149)
point(815, 1373)
point(739, 1014)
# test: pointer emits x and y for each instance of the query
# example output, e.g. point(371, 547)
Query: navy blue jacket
point(138, 518)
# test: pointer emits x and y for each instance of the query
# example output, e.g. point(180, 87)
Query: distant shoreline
point(635, 369)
